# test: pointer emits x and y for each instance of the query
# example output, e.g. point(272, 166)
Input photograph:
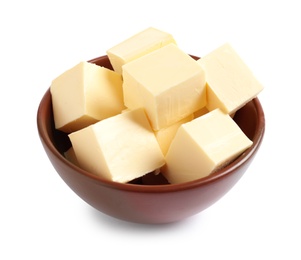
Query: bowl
point(149, 200)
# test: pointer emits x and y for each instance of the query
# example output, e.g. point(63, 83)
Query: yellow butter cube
point(84, 95)
point(70, 156)
point(120, 148)
point(202, 146)
point(167, 83)
point(138, 45)
point(230, 82)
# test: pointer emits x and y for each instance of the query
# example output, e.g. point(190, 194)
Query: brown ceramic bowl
point(149, 199)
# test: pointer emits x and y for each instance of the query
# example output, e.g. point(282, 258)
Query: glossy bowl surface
point(148, 200)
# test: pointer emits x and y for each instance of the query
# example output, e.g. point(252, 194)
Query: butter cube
point(84, 95)
point(165, 135)
point(136, 46)
point(167, 83)
point(70, 156)
point(120, 148)
point(202, 146)
point(230, 83)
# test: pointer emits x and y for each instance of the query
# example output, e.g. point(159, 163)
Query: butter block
point(167, 83)
point(138, 45)
point(165, 135)
point(202, 146)
point(230, 82)
point(84, 95)
point(70, 156)
point(120, 148)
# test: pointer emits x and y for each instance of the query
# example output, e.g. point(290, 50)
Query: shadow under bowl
point(155, 202)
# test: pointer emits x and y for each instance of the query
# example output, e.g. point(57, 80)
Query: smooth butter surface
point(167, 83)
point(138, 45)
point(202, 146)
point(230, 83)
point(84, 95)
point(120, 148)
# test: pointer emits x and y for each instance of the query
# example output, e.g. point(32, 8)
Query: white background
point(41, 218)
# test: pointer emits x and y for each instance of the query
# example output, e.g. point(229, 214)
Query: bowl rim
point(162, 188)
